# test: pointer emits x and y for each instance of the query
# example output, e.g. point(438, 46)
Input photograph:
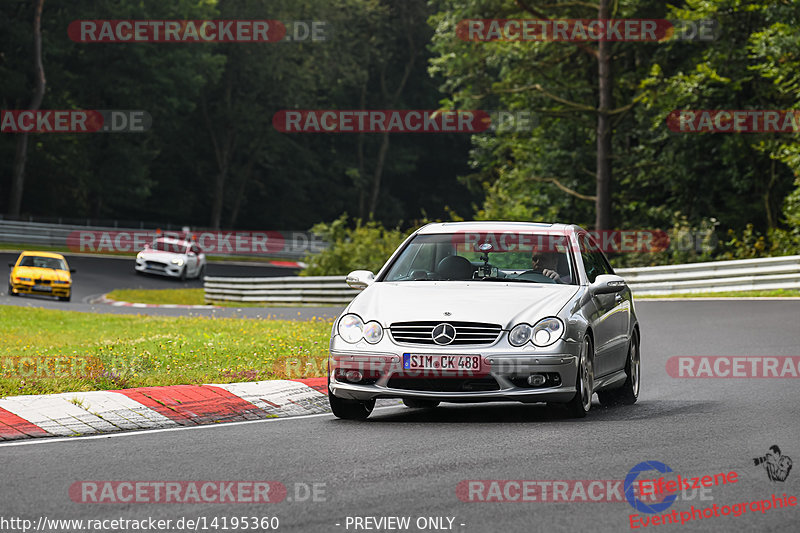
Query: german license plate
point(416, 361)
point(43, 288)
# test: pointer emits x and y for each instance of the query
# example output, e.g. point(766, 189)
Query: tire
point(183, 274)
point(629, 392)
point(350, 409)
point(416, 403)
point(65, 298)
point(581, 403)
point(201, 273)
point(11, 291)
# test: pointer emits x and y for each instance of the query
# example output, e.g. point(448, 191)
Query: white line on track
point(46, 440)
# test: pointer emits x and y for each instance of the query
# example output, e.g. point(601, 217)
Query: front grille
point(155, 264)
point(467, 333)
point(42, 281)
point(444, 384)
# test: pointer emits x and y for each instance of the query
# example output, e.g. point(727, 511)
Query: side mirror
point(360, 279)
point(607, 284)
point(72, 270)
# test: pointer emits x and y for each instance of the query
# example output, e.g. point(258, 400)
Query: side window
point(593, 260)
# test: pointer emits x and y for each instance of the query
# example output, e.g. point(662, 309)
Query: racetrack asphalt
point(403, 462)
point(96, 276)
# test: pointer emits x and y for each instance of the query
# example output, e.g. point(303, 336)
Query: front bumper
point(51, 290)
point(501, 377)
point(162, 269)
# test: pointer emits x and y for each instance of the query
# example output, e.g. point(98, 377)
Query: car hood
point(41, 273)
point(479, 301)
point(158, 255)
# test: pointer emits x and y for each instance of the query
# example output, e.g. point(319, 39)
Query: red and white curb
point(85, 413)
point(117, 303)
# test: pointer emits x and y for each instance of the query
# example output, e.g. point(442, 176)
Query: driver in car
point(546, 263)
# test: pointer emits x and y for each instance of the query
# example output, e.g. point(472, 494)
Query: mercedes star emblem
point(443, 334)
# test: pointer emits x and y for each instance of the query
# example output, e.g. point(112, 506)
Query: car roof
point(43, 254)
point(494, 226)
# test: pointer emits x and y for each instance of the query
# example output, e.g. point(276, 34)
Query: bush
point(367, 246)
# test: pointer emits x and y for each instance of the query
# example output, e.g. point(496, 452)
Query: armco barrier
point(748, 274)
point(740, 275)
point(331, 290)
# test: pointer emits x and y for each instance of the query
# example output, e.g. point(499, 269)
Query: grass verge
point(184, 297)
point(159, 296)
point(729, 294)
point(46, 351)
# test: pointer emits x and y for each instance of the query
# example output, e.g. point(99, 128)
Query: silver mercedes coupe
point(484, 312)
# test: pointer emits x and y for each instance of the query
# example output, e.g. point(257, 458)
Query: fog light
point(536, 380)
point(353, 376)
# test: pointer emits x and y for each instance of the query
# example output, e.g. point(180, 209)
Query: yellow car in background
point(40, 273)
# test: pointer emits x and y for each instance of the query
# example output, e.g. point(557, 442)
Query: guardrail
point(739, 275)
point(46, 234)
point(330, 290)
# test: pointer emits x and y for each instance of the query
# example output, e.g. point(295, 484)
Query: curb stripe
point(15, 427)
point(70, 414)
point(194, 404)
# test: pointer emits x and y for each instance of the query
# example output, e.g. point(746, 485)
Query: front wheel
point(350, 409)
point(629, 392)
point(201, 273)
point(11, 291)
point(581, 403)
point(183, 274)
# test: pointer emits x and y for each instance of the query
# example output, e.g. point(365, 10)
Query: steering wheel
point(532, 275)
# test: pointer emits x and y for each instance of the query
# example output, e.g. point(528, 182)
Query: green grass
point(47, 351)
point(159, 296)
point(728, 294)
point(184, 297)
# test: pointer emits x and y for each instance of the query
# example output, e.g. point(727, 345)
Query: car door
point(191, 261)
point(604, 311)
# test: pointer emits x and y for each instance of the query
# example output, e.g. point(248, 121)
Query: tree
point(21, 154)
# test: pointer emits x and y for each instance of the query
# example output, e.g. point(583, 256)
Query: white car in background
point(172, 257)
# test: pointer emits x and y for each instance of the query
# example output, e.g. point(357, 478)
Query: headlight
point(373, 332)
point(547, 331)
point(60, 282)
point(519, 334)
point(24, 279)
point(177, 261)
point(351, 328)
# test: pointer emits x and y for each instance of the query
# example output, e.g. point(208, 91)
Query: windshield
point(169, 246)
point(43, 262)
point(513, 257)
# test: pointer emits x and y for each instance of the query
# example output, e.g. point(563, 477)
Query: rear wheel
point(629, 392)
point(581, 403)
point(416, 403)
point(350, 409)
